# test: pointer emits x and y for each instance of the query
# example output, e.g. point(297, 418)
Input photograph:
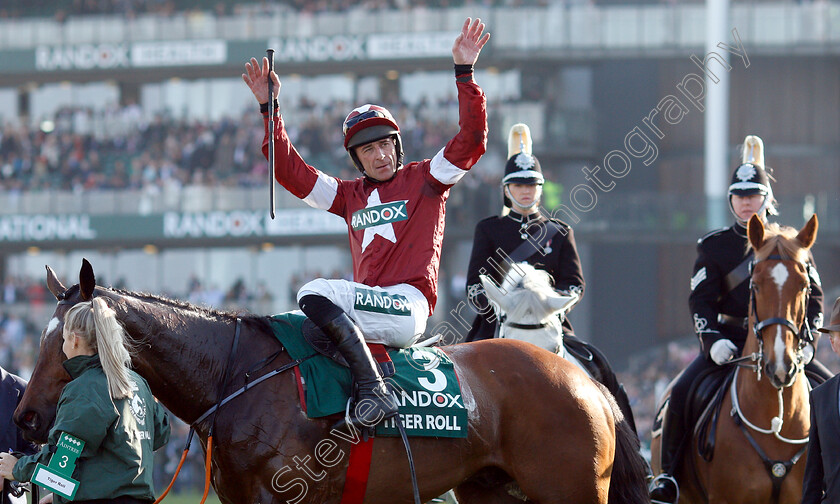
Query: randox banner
point(39, 230)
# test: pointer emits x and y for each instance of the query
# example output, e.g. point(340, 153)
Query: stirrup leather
point(352, 420)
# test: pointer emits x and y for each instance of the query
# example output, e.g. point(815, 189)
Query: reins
point(517, 325)
point(221, 402)
point(775, 423)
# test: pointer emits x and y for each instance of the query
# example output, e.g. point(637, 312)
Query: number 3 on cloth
point(57, 476)
point(438, 384)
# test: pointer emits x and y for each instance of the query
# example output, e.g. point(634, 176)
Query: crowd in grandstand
point(118, 148)
point(61, 9)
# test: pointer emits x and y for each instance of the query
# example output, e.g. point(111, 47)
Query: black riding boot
point(665, 489)
point(374, 402)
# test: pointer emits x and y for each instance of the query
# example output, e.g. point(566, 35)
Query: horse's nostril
point(30, 420)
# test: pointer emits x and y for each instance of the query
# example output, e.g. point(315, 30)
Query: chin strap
point(534, 203)
point(762, 212)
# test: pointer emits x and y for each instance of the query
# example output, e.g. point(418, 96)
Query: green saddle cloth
point(429, 395)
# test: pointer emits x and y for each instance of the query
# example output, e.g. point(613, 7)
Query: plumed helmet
point(366, 124)
point(522, 166)
point(750, 177)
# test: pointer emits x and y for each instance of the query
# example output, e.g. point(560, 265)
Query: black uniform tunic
point(496, 233)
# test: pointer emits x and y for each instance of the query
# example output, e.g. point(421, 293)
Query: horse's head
point(780, 289)
point(526, 296)
point(36, 411)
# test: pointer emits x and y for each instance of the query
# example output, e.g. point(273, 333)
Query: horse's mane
point(536, 279)
point(781, 239)
point(187, 306)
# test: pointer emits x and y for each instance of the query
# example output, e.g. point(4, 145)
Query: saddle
point(324, 346)
point(589, 357)
point(702, 410)
point(706, 396)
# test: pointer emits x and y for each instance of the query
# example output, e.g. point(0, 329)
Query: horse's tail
point(628, 484)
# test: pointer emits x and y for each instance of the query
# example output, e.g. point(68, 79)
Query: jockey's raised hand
point(469, 43)
point(255, 77)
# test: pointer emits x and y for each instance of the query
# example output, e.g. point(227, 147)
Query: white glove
point(807, 353)
point(722, 351)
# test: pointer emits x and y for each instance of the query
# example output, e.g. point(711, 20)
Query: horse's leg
point(552, 475)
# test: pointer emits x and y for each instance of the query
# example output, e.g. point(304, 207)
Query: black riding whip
point(270, 54)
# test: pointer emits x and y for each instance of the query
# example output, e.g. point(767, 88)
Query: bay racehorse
point(537, 427)
point(762, 430)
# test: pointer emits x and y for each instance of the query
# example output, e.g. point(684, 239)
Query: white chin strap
point(537, 196)
point(761, 212)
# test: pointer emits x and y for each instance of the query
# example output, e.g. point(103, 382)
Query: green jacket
point(120, 435)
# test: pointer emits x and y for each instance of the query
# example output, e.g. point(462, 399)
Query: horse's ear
point(755, 231)
point(494, 293)
point(54, 284)
point(560, 303)
point(808, 234)
point(87, 281)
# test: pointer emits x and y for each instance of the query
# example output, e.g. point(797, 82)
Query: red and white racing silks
point(395, 227)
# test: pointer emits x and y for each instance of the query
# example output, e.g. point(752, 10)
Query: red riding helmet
point(366, 124)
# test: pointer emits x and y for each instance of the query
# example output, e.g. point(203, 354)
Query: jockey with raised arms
point(719, 303)
point(395, 218)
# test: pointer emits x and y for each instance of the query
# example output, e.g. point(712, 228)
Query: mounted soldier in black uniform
point(523, 234)
point(719, 303)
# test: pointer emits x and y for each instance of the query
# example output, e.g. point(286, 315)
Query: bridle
point(803, 333)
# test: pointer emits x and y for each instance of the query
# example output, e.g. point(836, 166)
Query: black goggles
point(352, 121)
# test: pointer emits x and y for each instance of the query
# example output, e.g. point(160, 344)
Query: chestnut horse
point(538, 427)
point(762, 432)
